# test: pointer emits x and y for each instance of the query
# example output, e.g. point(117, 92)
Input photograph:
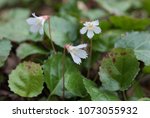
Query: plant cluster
point(89, 50)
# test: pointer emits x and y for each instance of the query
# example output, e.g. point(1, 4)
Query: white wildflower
point(91, 28)
point(77, 52)
point(37, 23)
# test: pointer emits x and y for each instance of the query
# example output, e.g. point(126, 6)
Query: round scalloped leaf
point(26, 49)
point(74, 83)
point(106, 41)
point(5, 47)
point(62, 31)
point(14, 26)
point(53, 77)
point(117, 7)
point(119, 70)
point(131, 23)
point(53, 70)
point(139, 42)
point(97, 94)
point(27, 79)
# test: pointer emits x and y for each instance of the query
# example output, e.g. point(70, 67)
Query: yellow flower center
point(90, 26)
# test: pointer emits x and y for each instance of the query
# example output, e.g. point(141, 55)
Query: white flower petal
point(41, 31)
point(95, 23)
point(86, 23)
point(83, 30)
point(81, 53)
point(90, 34)
point(33, 14)
point(42, 23)
point(36, 23)
point(41, 19)
point(81, 46)
point(75, 58)
point(34, 29)
point(97, 30)
point(77, 53)
point(31, 21)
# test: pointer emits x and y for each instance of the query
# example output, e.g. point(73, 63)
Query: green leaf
point(94, 59)
point(53, 77)
point(98, 94)
point(26, 49)
point(14, 30)
point(138, 91)
point(14, 26)
point(94, 14)
point(5, 47)
point(14, 14)
point(62, 31)
point(106, 41)
point(146, 4)
point(74, 83)
point(117, 7)
point(130, 23)
point(53, 70)
point(105, 25)
point(70, 8)
point(12, 2)
point(27, 79)
point(6, 2)
point(108, 82)
point(139, 42)
point(144, 99)
point(146, 69)
point(119, 70)
point(58, 91)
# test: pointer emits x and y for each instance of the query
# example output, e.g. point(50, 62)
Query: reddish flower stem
point(63, 75)
point(51, 36)
point(90, 58)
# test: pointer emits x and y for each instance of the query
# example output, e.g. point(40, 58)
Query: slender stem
point(51, 35)
point(49, 97)
point(124, 95)
point(90, 58)
point(63, 77)
point(95, 77)
point(82, 41)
